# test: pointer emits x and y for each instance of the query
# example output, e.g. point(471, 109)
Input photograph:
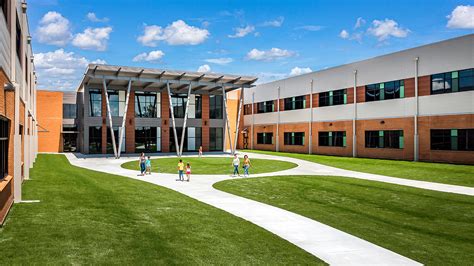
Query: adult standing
point(246, 165)
point(142, 162)
point(200, 151)
point(236, 163)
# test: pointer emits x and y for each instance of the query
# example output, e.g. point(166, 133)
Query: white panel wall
point(295, 116)
point(4, 46)
point(333, 113)
point(265, 119)
point(448, 103)
point(386, 109)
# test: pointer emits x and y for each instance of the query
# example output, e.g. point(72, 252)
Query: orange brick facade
point(50, 118)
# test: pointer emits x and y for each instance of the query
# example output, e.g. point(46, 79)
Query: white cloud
point(177, 33)
point(310, 28)
point(93, 17)
point(220, 61)
point(344, 34)
point(60, 70)
point(299, 71)
point(269, 55)
point(462, 17)
point(54, 29)
point(152, 56)
point(274, 23)
point(204, 69)
point(359, 23)
point(265, 77)
point(242, 32)
point(93, 39)
point(384, 29)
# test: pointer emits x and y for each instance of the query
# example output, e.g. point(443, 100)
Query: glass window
point(4, 129)
point(265, 138)
point(95, 102)
point(216, 139)
point(116, 102)
point(146, 104)
point(294, 138)
point(452, 139)
point(216, 106)
point(384, 139)
point(4, 7)
point(69, 110)
point(265, 107)
point(95, 139)
point(18, 39)
point(194, 139)
point(179, 105)
point(385, 91)
point(294, 103)
point(248, 109)
point(147, 139)
point(110, 148)
point(455, 81)
point(330, 98)
point(336, 138)
point(466, 80)
point(198, 106)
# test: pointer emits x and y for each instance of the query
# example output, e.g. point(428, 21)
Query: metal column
point(253, 120)
point(416, 137)
point(172, 119)
point(238, 119)
point(310, 142)
point(109, 115)
point(226, 118)
point(124, 118)
point(184, 123)
point(354, 137)
point(277, 146)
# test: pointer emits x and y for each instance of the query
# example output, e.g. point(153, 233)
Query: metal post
point(185, 120)
point(172, 120)
point(354, 136)
point(277, 148)
point(253, 120)
point(226, 118)
point(238, 119)
point(124, 118)
point(109, 115)
point(311, 119)
point(416, 137)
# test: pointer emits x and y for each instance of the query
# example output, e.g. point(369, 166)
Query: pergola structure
point(172, 82)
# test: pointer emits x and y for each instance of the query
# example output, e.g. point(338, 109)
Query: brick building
point(416, 104)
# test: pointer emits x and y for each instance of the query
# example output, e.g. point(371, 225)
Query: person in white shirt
point(236, 164)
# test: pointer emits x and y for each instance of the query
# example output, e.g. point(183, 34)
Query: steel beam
point(173, 121)
point(184, 122)
point(354, 119)
point(226, 117)
point(109, 114)
point(124, 119)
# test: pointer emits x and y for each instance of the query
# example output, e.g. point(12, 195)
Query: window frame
point(452, 139)
point(98, 139)
point(327, 98)
point(454, 80)
point(294, 138)
point(138, 107)
point(214, 107)
point(294, 103)
point(380, 91)
point(4, 146)
point(265, 138)
point(334, 139)
point(92, 101)
point(384, 139)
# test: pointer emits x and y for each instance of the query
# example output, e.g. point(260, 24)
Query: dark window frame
point(216, 107)
point(385, 139)
point(145, 106)
point(69, 110)
point(95, 139)
point(294, 138)
point(265, 138)
point(452, 139)
point(331, 98)
point(295, 103)
point(214, 143)
point(450, 82)
point(93, 100)
point(148, 136)
point(4, 146)
point(332, 139)
point(388, 90)
point(265, 107)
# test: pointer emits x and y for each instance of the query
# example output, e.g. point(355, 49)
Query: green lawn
point(434, 228)
point(462, 175)
point(87, 217)
point(212, 165)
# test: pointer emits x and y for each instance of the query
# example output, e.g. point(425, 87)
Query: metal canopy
point(202, 83)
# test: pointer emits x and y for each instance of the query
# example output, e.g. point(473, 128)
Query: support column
point(253, 119)
point(109, 115)
point(238, 119)
point(416, 137)
point(224, 100)
point(172, 119)
point(205, 122)
point(124, 119)
point(354, 120)
point(277, 146)
point(185, 120)
point(310, 142)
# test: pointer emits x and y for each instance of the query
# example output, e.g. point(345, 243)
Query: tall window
point(384, 139)
point(294, 103)
point(95, 139)
point(294, 138)
point(330, 98)
point(385, 91)
point(265, 107)
point(3, 147)
point(216, 106)
point(4, 7)
point(198, 107)
point(146, 104)
point(216, 139)
point(264, 138)
point(69, 110)
point(335, 138)
point(147, 139)
point(452, 139)
point(194, 138)
point(179, 105)
point(455, 81)
point(116, 102)
point(18, 39)
point(95, 102)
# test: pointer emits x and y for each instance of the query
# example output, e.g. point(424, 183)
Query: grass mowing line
point(453, 174)
point(212, 165)
point(430, 227)
point(88, 217)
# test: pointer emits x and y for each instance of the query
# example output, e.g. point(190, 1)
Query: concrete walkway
point(329, 244)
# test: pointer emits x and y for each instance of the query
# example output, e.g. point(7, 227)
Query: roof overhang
point(148, 78)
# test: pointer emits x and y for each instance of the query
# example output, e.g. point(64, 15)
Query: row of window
point(441, 139)
point(4, 128)
point(462, 80)
point(148, 104)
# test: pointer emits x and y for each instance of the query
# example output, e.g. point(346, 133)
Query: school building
point(416, 104)
point(18, 124)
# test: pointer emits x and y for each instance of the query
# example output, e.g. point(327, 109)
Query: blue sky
point(268, 39)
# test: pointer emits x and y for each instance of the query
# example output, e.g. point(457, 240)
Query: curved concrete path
point(329, 244)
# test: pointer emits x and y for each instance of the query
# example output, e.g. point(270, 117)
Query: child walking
point(180, 170)
point(188, 172)
point(148, 165)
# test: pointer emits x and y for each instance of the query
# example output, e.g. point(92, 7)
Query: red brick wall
point(333, 126)
point(315, 100)
point(300, 127)
point(424, 85)
point(360, 94)
point(50, 117)
point(443, 122)
point(409, 87)
point(264, 129)
point(350, 95)
point(104, 123)
point(165, 122)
